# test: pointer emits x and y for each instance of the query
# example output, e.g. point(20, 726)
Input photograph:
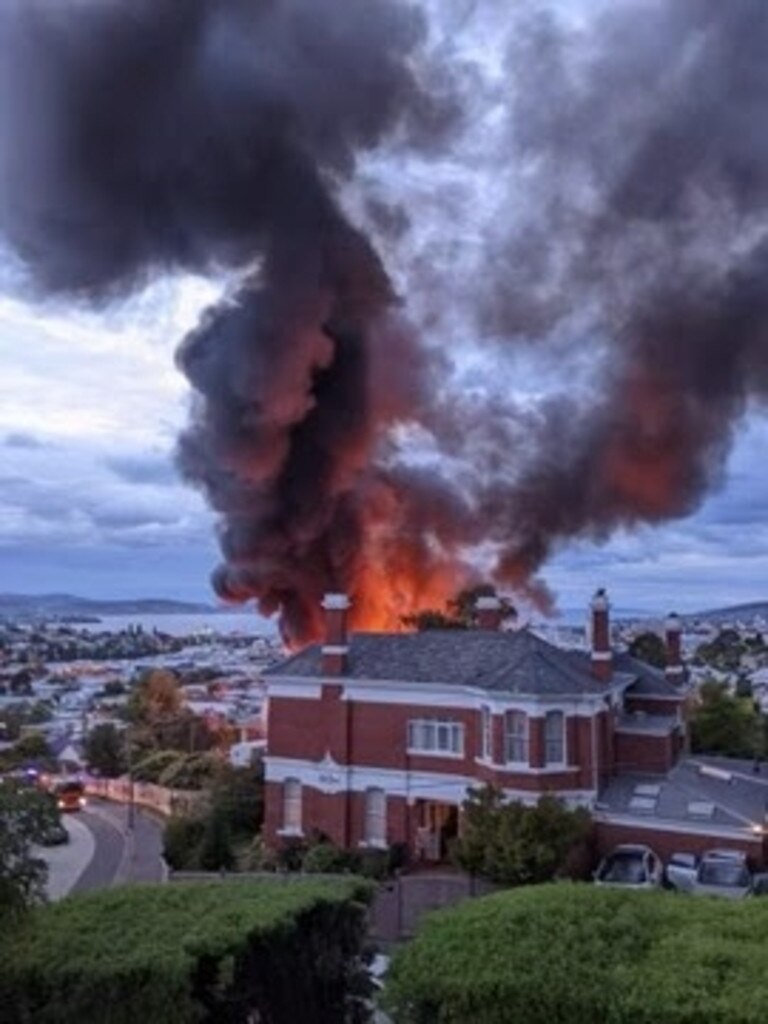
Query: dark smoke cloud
point(146, 135)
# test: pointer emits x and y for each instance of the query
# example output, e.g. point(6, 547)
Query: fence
point(147, 794)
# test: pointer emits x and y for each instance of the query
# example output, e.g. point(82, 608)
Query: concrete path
point(67, 863)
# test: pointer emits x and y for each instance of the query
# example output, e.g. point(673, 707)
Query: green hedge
point(221, 952)
point(576, 954)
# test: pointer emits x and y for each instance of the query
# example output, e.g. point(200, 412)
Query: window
point(376, 817)
point(292, 805)
point(486, 733)
point(516, 737)
point(432, 736)
point(554, 737)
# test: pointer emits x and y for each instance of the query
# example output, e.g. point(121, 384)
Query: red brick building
point(375, 738)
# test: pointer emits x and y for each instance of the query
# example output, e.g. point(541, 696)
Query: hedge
point(223, 952)
point(576, 954)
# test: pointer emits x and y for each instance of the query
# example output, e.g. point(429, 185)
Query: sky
point(91, 404)
point(91, 502)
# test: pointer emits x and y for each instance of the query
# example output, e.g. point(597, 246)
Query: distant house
point(375, 738)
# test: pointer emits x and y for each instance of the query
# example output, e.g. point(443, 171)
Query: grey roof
point(737, 799)
point(650, 681)
point(516, 662)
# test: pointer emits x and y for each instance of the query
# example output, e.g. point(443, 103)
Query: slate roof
point(737, 799)
point(650, 682)
point(516, 662)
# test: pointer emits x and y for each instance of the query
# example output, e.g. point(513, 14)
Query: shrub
point(215, 852)
point(514, 844)
point(182, 953)
point(182, 837)
point(573, 954)
point(325, 858)
point(238, 793)
point(151, 767)
point(190, 771)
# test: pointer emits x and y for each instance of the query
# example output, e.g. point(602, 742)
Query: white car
point(716, 873)
point(631, 867)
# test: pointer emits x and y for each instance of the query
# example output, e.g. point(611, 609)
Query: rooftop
point(712, 790)
point(516, 662)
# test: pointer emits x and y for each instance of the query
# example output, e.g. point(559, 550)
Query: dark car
point(632, 867)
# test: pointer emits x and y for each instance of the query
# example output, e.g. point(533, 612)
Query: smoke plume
point(335, 438)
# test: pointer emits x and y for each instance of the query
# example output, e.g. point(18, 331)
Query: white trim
point(372, 844)
point(295, 833)
point(409, 784)
point(673, 825)
point(450, 695)
point(639, 731)
point(448, 754)
point(601, 655)
point(335, 602)
point(295, 691)
point(335, 649)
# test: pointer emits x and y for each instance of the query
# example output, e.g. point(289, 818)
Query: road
point(103, 851)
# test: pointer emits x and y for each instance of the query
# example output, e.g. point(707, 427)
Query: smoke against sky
point(358, 423)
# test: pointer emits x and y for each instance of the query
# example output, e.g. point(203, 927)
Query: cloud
point(144, 469)
point(19, 439)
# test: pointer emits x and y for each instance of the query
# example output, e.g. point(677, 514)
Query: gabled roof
point(650, 681)
point(505, 662)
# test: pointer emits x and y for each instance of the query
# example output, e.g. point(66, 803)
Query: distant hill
point(40, 606)
point(743, 612)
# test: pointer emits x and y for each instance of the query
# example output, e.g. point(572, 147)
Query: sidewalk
point(66, 863)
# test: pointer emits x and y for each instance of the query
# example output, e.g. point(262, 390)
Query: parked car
point(633, 867)
point(54, 835)
point(715, 873)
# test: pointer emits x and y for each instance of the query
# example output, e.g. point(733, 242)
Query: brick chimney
point(335, 646)
point(488, 613)
point(602, 656)
point(672, 637)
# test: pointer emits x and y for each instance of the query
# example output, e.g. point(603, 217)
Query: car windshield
point(724, 872)
point(625, 867)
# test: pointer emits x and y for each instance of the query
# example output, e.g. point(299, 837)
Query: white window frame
point(435, 737)
point(292, 808)
point(522, 737)
point(486, 733)
point(559, 740)
point(375, 818)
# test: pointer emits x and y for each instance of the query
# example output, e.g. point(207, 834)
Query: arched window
point(376, 817)
point(516, 737)
point(292, 805)
point(554, 737)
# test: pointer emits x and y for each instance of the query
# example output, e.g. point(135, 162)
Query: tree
point(722, 723)
point(216, 853)
point(460, 612)
point(105, 750)
point(515, 844)
point(32, 747)
point(157, 694)
point(26, 814)
point(649, 647)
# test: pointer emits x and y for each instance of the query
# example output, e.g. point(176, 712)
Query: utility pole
point(131, 805)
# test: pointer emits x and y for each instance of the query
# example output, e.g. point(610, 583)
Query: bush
point(515, 844)
point(182, 837)
point(216, 853)
point(190, 771)
point(238, 793)
point(182, 953)
point(327, 859)
point(151, 767)
point(573, 954)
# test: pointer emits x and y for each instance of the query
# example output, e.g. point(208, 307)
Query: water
point(248, 623)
